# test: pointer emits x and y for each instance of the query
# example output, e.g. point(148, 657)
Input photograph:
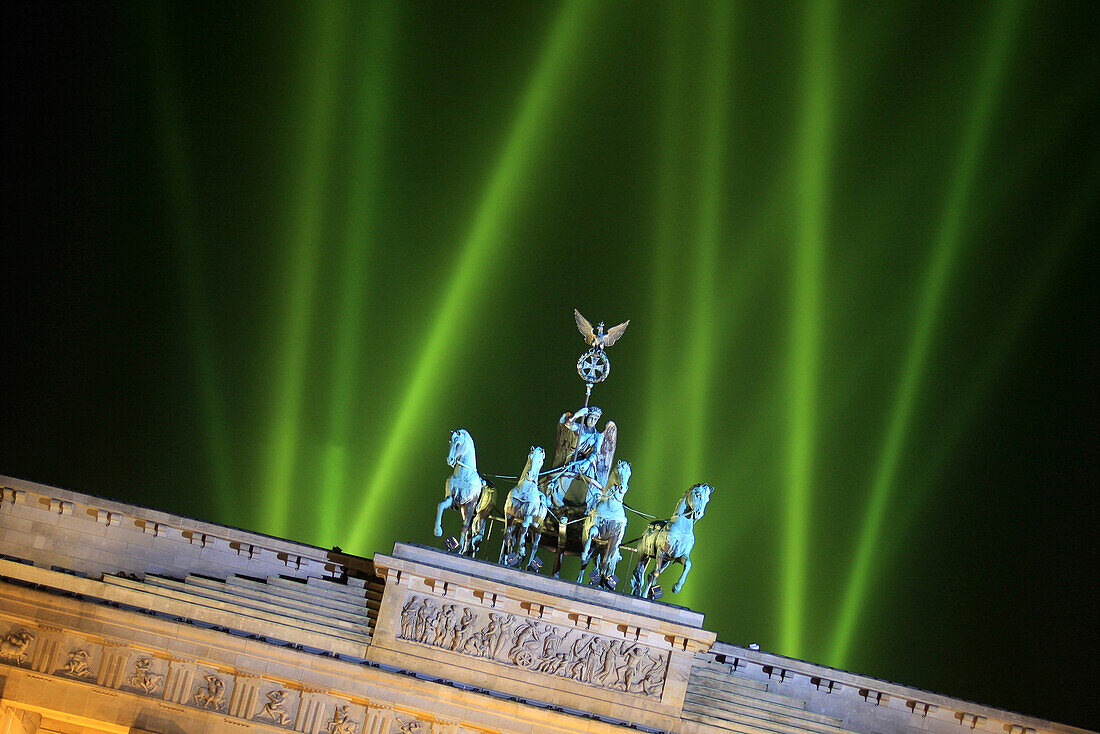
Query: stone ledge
point(559, 589)
point(894, 697)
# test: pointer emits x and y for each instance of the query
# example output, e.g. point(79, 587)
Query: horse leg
point(662, 563)
point(533, 538)
point(506, 546)
point(472, 538)
point(445, 504)
point(609, 562)
point(637, 578)
point(484, 511)
point(601, 563)
point(562, 527)
point(586, 555)
point(524, 531)
point(477, 531)
point(467, 511)
point(686, 560)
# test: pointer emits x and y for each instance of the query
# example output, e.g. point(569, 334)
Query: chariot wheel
point(524, 659)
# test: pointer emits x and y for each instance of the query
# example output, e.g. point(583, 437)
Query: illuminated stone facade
point(115, 618)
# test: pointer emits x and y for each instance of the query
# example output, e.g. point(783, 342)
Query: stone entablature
point(121, 619)
point(535, 646)
point(73, 661)
point(815, 696)
point(544, 639)
point(96, 535)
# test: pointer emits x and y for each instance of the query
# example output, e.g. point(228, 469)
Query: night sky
point(259, 259)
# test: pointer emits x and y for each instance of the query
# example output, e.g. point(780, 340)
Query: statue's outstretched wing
point(585, 327)
point(605, 460)
point(565, 443)
point(614, 333)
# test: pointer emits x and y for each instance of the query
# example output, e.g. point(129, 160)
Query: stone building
point(115, 618)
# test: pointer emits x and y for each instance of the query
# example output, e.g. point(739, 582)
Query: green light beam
point(654, 459)
point(811, 191)
point(378, 29)
point(1013, 327)
point(179, 180)
point(702, 333)
point(709, 226)
point(477, 263)
point(303, 248)
point(945, 248)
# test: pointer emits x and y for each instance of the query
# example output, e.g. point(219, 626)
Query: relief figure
point(13, 647)
point(537, 646)
point(143, 676)
point(77, 664)
point(273, 709)
point(213, 695)
point(340, 723)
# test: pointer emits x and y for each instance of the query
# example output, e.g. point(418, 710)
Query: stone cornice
point(966, 713)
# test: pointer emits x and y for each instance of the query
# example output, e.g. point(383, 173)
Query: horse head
point(461, 446)
point(535, 458)
point(696, 500)
point(620, 479)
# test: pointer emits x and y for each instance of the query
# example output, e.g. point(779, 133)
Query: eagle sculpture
point(598, 338)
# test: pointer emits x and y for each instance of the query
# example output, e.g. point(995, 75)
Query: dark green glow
point(187, 240)
point(1004, 343)
point(710, 221)
point(377, 36)
point(303, 251)
point(480, 254)
point(654, 458)
point(709, 233)
point(826, 223)
point(812, 190)
point(949, 239)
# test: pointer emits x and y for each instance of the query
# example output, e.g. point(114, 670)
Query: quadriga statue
point(670, 540)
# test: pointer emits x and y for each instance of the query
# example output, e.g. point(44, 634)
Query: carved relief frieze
point(275, 708)
point(412, 726)
point(144, 678)
point(13, 647)
point(240, 695)
point(534, 645)
point(341, 722)
point(76, 666)
point(211, 695)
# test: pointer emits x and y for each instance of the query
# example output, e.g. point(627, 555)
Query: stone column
point(446, 726)
point(242, 703)
point(46, 649)
point(112, 666)
point(379, 718)
point(311, 712)
point(177, 684)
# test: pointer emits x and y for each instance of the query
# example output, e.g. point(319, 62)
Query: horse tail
point(648, 544)
point(487, 503)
